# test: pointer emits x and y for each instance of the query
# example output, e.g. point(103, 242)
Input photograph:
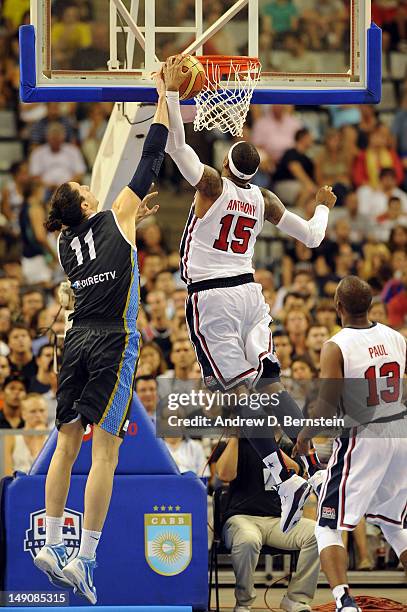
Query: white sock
point(338, 592)
point(53, 530)
point(89, 543)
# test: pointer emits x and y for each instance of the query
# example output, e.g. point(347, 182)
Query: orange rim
point(223, 63)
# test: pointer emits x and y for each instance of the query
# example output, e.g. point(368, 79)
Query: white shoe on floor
point(294, 606)
point(242, 609)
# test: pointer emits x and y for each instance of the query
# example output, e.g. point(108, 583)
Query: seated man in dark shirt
point(252, 520)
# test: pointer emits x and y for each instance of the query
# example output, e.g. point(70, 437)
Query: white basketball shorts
point(366, 476)
point(229, 328)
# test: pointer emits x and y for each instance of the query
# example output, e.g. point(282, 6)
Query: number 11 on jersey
point(77, 247)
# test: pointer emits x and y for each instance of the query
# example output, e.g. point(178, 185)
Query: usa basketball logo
point(71, 531)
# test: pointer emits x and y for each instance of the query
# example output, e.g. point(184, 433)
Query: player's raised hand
point(175, 72)
point(143, 210)
point(159, 82)
point(326, 196)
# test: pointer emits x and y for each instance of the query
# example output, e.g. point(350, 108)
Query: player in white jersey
point(363, 367)
point(227, 316)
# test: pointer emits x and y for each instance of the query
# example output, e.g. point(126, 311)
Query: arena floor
point(323, 596)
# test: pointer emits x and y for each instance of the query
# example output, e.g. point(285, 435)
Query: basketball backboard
point(312, 51)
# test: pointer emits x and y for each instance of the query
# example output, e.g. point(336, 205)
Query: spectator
point(38, 254)
point(152, 361)
point(91, 132)
point(252, 519)
point(12, 194)
point(14, 391)
point(374, 202)
point(325, 22)
point(8, 298)
point(69, 35)
point(274, 131)
point(150, 266)
point(21, 451)
point(397, 306)
point(32, 302)
point(13, 12)
point(316, 336)
point(378, 312)
point(4, 373)
point(165, 282)
point(296, 324)
point(21, 357)
point(5, 324)
point(295, 172)
point(392, 218)
point(283, 349)
point(265, 278)
point(44, 380)
point(360, 224)
point(281, 16)
point(152, 240)
point(39, 129)
point(399, 129)
point(299, 59)
point(367, 124)
point(188, 455)
point(296, 256)
point(178, 299)
point(96, 55)
point(377, 157)
point(397, 239)
point(333, 165)
point(146, 389)
point(159, 327)
point(183, 357)
point(325, 315)
point(57, 161)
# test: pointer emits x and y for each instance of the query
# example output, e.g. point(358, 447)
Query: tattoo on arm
point(210, 185)
point(273, 207)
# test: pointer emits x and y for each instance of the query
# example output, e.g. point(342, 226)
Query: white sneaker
point(242, 609)
point(293, 493)
point(79, 572)
point(294, 606)
point(51, 560)
point(316, 481)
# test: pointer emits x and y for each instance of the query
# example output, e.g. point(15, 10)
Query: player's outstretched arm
point(206, 180)
point(127, 204)
point(311, 232)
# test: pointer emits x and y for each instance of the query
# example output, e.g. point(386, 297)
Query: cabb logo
point(168, 540)
point(71, 531)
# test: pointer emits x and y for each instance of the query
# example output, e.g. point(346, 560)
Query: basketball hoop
point(225, 98)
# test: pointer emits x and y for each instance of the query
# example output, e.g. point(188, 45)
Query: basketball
point(195, 81)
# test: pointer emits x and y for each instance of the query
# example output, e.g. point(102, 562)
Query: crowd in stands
point(360, 151)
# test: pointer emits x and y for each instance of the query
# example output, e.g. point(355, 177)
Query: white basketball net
point(224, 101)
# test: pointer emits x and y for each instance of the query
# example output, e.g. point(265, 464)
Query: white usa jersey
point(374, 361)
point(222, 243)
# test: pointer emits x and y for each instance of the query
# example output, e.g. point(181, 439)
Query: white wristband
point(172, 95)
